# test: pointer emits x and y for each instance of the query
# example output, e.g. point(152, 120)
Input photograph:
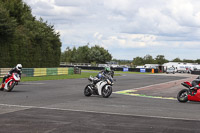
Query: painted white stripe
point(97, 112)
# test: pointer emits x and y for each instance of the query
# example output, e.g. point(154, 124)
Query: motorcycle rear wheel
point(87, 91)
point(183, 96)
point(106, 91)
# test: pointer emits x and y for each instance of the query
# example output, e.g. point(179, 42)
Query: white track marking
point(108, 113)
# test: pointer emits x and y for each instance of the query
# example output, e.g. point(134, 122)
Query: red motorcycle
point(10, 82)
point(191, 94)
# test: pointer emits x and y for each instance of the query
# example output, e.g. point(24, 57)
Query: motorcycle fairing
point(196, 97)
point(6, 84)
point(16, 77)
point(100, 86)
point(187, 84)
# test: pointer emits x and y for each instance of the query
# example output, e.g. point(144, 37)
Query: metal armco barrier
point(28, 72)
point(39, 72)
point(4, 71)
point(31, 72)
point(195, 72)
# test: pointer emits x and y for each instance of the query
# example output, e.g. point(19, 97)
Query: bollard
point(152, 70)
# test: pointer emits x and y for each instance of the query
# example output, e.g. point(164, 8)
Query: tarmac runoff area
point(167, 90)
point(60, 106)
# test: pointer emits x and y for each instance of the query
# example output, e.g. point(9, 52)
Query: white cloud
point(98, 36)
point(124, 24)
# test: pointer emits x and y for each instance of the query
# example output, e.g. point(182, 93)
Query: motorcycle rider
point(106, 71)
point(16, 69)
point(101, 74)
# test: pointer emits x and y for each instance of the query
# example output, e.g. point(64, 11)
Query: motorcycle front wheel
point(183, 96)
point(87, 91)
point(10, 87)
point(106, 91)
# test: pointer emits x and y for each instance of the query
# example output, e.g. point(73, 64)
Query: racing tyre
point(106, 91)
point(10, 85)
point(87, 91)
point(183, 96)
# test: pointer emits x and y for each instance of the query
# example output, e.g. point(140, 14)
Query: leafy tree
point(25, 40)
point(66, 55)
point(84, 54)
point(7, 25)
point(138, 61)
point(160, 59)
point(188, 61)
point(99, 55)
point(197, 61)
point(177, 60)
point(123, 62)
point(148, 59)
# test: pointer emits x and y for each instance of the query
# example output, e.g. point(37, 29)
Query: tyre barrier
point(33, 72)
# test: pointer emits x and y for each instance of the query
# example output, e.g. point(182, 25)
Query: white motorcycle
point(99, 87)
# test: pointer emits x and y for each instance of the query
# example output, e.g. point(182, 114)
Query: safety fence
point(120, 69)
point(196, 72)
point(32, 72)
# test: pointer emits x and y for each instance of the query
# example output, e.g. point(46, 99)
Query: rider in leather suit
point(17, 69)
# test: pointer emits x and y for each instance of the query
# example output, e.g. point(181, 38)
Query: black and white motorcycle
point(99, 87)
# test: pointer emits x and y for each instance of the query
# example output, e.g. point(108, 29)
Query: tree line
point(160, 59)
point(97, 55)
point(86, 54)
point(25, 40)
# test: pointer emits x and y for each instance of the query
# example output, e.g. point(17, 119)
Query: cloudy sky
point(126, 28)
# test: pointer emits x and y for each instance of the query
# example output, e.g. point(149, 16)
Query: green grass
point(57, 77)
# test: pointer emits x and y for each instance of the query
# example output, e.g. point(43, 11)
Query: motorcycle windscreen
point(16, 77)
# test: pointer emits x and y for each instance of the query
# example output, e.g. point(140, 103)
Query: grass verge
point(57, 77)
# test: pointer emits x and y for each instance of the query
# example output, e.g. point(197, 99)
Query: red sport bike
point(10, 82)
point(192, 93)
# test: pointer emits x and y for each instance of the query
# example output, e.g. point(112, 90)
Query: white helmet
point(19, 67)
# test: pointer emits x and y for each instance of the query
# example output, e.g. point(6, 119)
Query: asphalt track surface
point(59, 106)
